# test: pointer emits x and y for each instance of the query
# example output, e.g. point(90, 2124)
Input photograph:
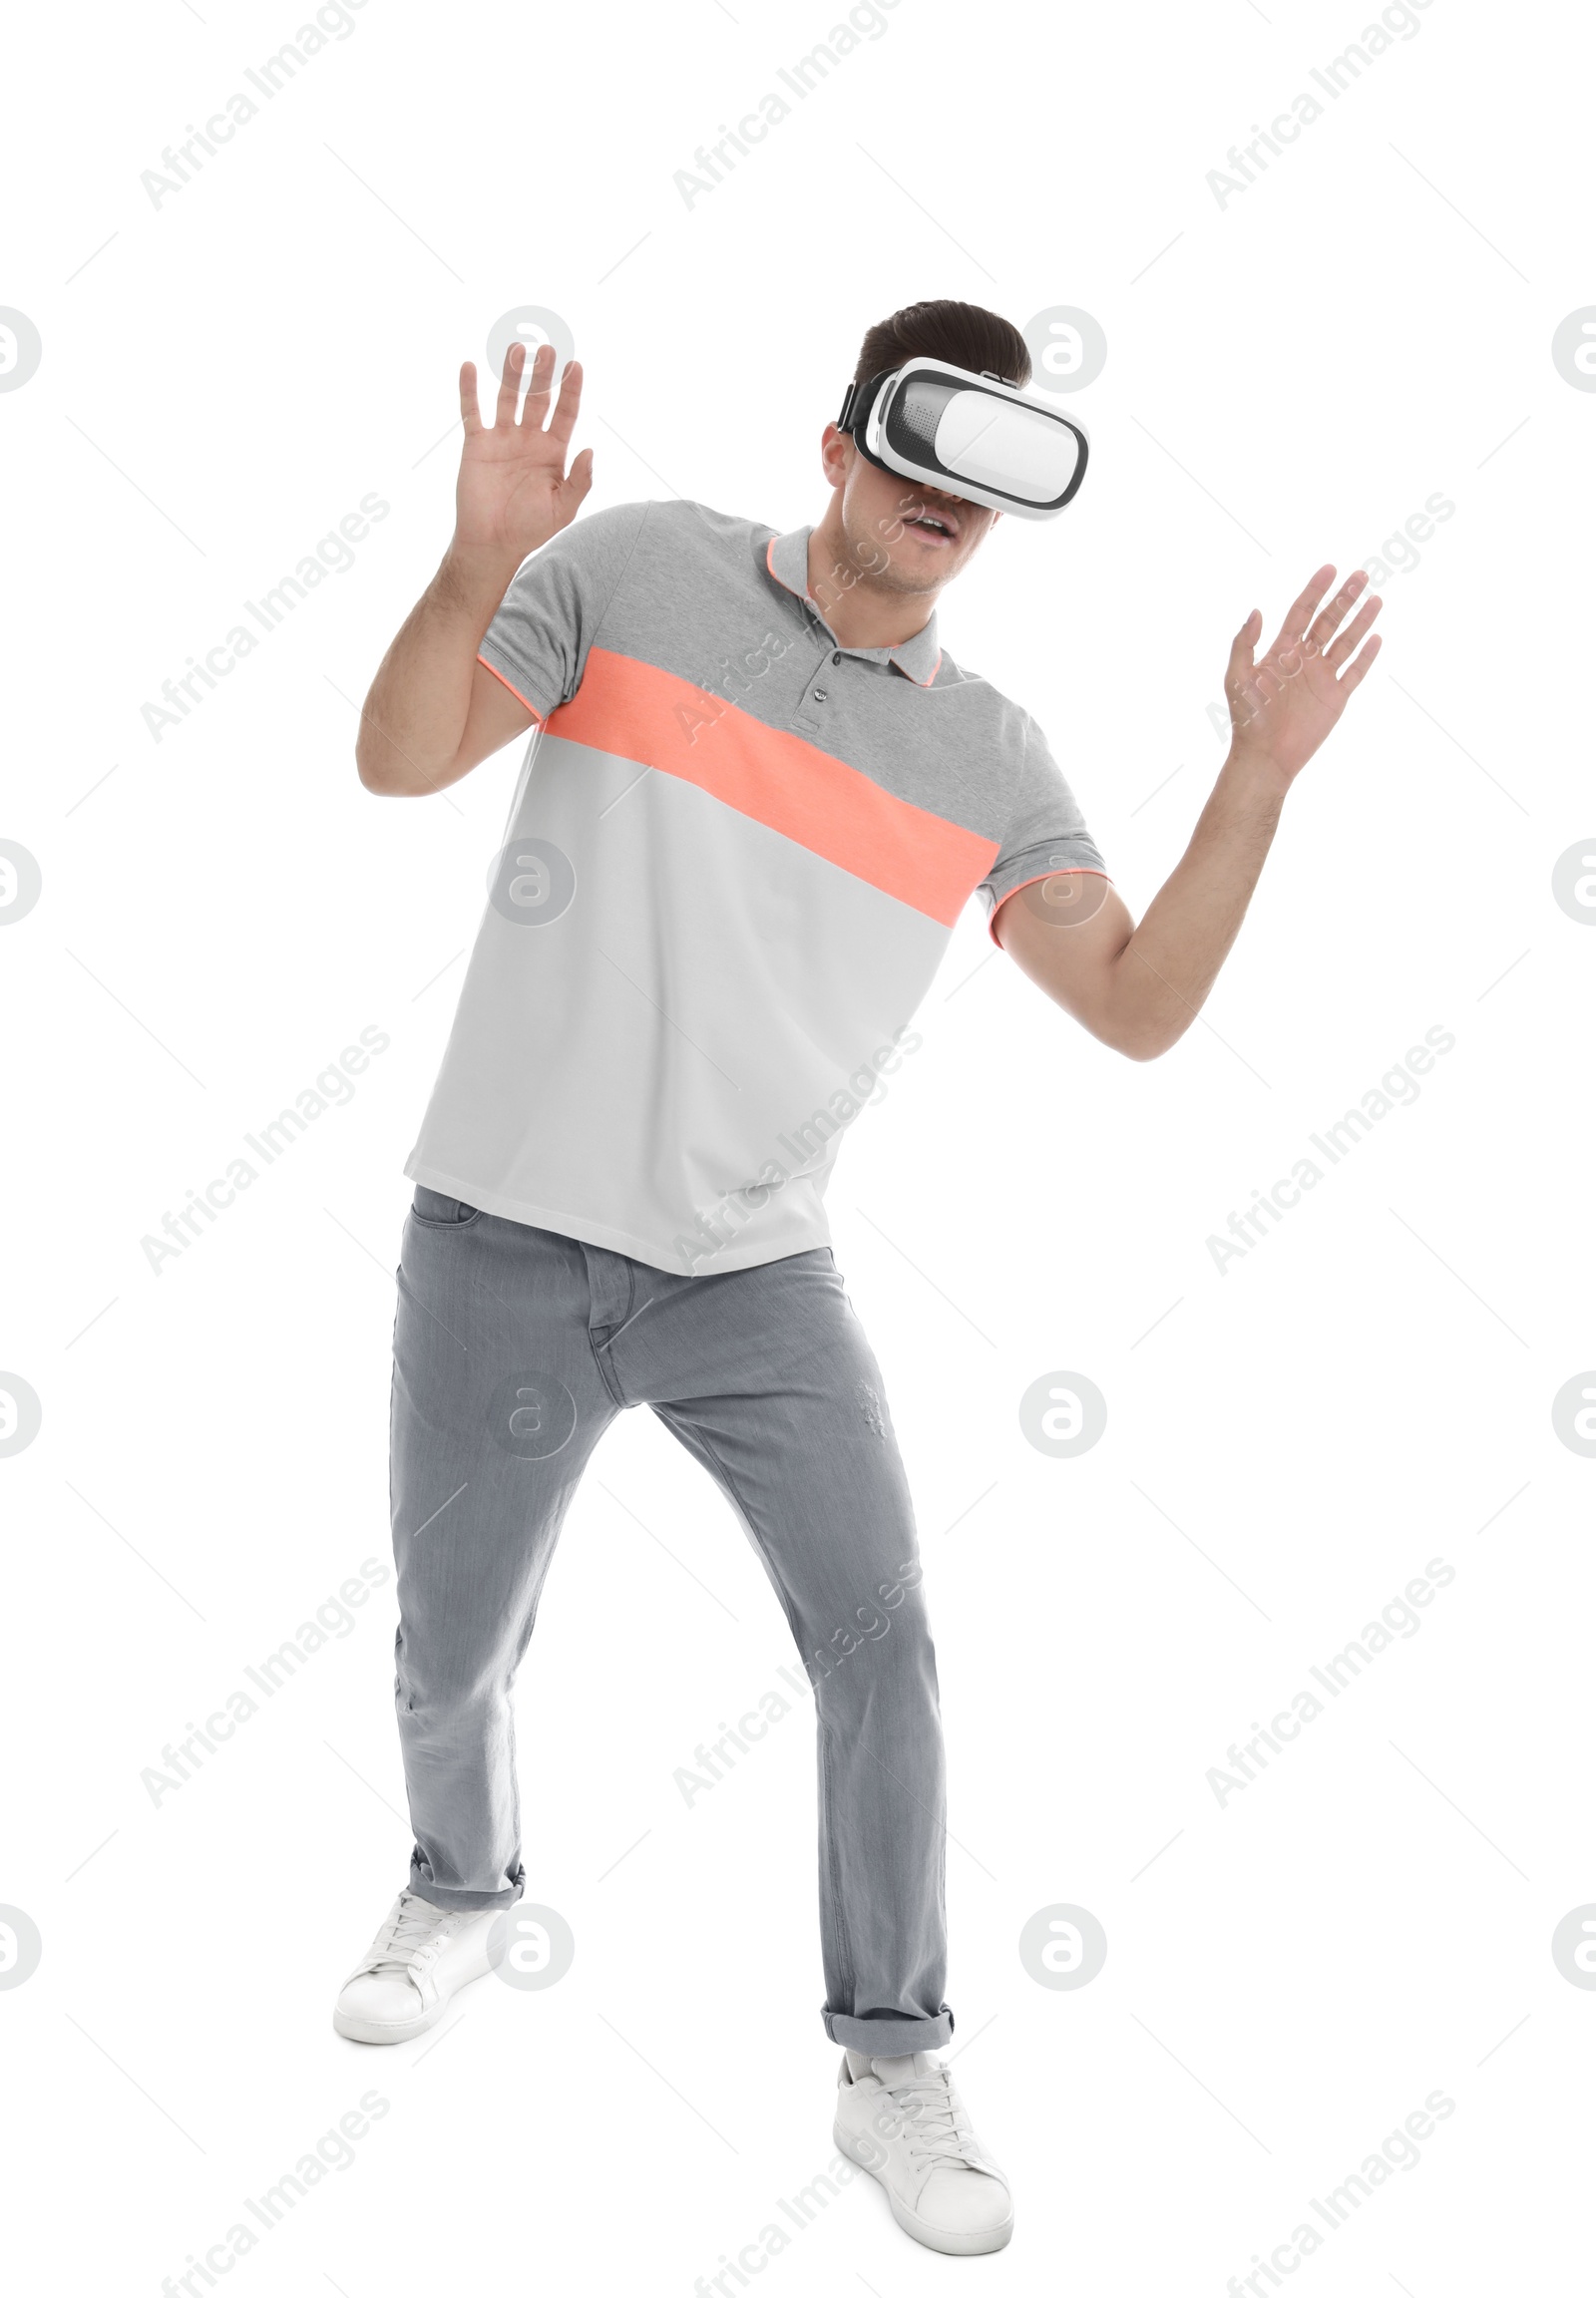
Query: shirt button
point(836, 657)
point(820, 693)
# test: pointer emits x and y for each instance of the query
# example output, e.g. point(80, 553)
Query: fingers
point(535, 412)
point(470, 412)
point(544, 448)
point(1296, 622)
point(509, 386)
point(1239, 669)
point(1324, 624)
point(1337, 654)
point(535, 408)
point(568, 406)
point(578, 479)
point(1359, 668)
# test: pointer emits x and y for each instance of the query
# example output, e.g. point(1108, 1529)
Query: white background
point(1289, 1442)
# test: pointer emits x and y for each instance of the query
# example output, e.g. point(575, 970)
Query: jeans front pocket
point(435, 1210)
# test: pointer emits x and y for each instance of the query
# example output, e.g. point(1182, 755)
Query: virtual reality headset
point(975, 436)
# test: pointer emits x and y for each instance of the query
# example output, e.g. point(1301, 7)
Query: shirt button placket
point(820, 692)
point(806, 715)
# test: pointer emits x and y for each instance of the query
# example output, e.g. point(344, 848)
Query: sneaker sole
point(365, 2030)
point(971, 2246)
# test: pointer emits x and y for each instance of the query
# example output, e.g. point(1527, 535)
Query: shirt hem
point(743, 1254)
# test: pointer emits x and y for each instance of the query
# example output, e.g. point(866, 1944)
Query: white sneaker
point(903, 2120)
point(420, 1958)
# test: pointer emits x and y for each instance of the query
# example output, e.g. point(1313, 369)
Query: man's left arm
point(1139, 987)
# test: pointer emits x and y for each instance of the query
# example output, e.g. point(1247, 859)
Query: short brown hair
point(961, 334)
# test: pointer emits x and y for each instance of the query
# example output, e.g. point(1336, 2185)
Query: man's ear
point(837, 451)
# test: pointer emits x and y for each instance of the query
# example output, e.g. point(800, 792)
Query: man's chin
point(910, 581)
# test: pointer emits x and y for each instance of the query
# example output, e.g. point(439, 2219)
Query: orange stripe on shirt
point(636, 711)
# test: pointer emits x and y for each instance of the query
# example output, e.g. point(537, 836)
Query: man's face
point(897, 535)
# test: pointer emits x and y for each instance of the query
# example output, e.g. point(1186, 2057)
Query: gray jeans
point(514, 1350)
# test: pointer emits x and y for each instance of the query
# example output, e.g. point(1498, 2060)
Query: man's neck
point(857, 611)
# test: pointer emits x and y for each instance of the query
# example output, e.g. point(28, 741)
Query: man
point(760, 795)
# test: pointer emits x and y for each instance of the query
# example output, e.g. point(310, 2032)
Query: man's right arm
point(434, 712)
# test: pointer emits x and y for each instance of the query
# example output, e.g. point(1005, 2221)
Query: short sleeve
point(538, 643)
point(1047, 829)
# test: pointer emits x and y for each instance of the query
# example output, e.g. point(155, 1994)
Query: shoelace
point(931, 2121)
point(403, 1944)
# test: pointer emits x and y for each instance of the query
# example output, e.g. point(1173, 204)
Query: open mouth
point(932, 527)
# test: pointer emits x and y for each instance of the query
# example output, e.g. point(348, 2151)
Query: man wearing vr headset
point(757, 797)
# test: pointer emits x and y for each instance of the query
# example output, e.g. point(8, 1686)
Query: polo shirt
point(735, 857)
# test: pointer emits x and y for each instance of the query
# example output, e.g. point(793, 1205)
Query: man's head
point(880, 530)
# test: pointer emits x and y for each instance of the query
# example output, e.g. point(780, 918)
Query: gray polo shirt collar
point(787, 558)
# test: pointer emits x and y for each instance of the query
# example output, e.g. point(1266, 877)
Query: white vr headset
point(973, 436)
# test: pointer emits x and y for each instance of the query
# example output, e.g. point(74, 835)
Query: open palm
point(514, 492)
point(1283, 705)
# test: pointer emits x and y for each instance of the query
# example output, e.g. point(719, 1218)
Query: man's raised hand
point(514, 491)
point(1283, 706)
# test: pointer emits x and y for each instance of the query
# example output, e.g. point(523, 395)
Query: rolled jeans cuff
point(421, 1886)
point(889, 2037)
